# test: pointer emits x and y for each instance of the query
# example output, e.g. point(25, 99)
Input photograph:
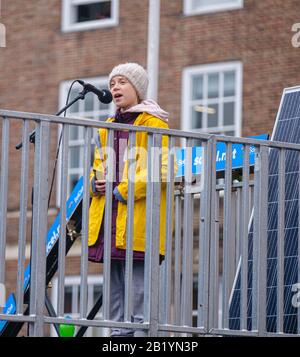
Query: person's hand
point(100, 187)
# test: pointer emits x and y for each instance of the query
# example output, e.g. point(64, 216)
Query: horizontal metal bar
point(171, 132)
point(249, 333)
point(185, 329)
point(17, 318)
point(219, 187)
point(278, 334)
point(144, 326)
point(227, 332)
point(96, 323)
point(95, 124)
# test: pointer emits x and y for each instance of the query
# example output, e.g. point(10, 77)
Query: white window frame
point(187, 74)
point(69, 26)
point(63, 92)
point(74, 280)
point(232, 5)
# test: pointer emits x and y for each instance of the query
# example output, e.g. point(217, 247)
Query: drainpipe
point(153, 47)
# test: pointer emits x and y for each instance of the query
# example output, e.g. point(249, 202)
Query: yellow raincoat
point(96, 212)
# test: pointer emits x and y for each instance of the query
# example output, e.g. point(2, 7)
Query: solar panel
point(286, 129)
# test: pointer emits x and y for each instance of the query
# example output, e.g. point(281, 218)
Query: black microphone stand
point(48, 303)
point(81, 96)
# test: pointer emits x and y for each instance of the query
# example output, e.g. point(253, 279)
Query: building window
point(194, 7)
point(72, 301)
point(80, 15)
point(212, 98)
point(90, 108)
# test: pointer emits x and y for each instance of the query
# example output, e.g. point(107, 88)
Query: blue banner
point(52, 237)
point(237, 156)
point(10, 308)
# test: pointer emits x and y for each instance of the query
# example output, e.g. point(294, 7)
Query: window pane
point(197, 119)
point(68, 300)
point(205, 3)
point(103, 106)
point(74, 132)
point(197, 83)
point(92, 154)
point(97, 292)
point(89, 102)
point(75, 107)
point(74, 157)
point(212, 116)
point(94, 11)
point(197, 142)
point(229, 113)
point(229, 133)
point(213, 85)
point(73, 180)
point(229, 83)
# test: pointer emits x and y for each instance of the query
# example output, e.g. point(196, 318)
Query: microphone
point(103, 95)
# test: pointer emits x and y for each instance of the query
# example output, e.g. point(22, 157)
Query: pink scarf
point(151, 107)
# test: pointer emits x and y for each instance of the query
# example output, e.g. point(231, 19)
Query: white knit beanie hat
point(136, 74)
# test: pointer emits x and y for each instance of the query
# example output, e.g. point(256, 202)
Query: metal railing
point(207, 232)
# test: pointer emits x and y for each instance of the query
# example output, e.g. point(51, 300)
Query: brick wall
point(39, 56)
point(259, 35)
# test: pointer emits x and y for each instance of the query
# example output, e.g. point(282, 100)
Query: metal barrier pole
point(149, 227)
point(153, 232)
point(177, 260)
point(280, 240)
point(244, 238)
point(169, 232)
point(23, 217)
point(187, 254)
point(62, 240)
point(85, 222)
point(204, 233)
point(215, 242)
point(260, 242)
point(3, 196)
point(39, 231)
point(129, 228)
point(212, 282)
point(227, 237)
point(107, 224)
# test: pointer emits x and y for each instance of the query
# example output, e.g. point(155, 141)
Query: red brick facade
point(39, 56)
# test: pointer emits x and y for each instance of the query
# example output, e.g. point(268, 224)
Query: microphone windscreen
point(106, 97)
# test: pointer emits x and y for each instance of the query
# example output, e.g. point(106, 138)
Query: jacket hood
point(151, 107)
